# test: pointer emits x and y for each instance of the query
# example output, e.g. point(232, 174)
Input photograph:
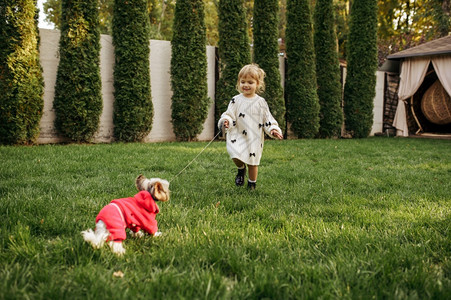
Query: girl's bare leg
point(253, 172)
point(238, 163)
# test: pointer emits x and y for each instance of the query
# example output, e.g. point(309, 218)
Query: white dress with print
point(249, 119)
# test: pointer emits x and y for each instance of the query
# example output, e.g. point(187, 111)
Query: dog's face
point(158, 188)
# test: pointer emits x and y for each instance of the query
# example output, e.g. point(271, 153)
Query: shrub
point(327, 70)
point(189, 70)
point(360, 83)
point(302, 98)
point(21, 81)
point(78, 98)
point(266, 54)
point(133, 109)
point(234, 50)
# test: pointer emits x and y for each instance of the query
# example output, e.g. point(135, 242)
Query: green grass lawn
point(342, 219)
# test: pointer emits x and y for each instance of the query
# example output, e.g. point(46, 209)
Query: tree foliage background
point(401, 23)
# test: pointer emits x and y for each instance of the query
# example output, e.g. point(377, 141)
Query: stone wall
point(390, 102)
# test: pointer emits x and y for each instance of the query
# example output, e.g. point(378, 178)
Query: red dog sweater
point(135, 213)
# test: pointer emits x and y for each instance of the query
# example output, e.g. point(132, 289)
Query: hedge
point(21, 81)
point(78, 97)
point(266, 54)
point(360, 83)
point(302, 98)
point(190, 100)
point(133, 109)
point(233, 48)
point(327, 70)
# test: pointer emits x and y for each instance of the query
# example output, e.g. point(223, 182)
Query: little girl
point(245, 121)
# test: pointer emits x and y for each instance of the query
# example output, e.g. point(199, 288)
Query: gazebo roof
point(435, 47)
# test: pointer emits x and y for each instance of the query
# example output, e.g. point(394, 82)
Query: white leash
point(195, 157)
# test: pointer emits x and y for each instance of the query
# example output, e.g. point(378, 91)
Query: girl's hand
point(226, 124)
point(276, 134)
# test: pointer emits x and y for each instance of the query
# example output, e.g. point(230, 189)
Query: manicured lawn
point(342, 219)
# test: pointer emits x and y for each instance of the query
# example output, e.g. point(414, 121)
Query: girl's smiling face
point(248, 86)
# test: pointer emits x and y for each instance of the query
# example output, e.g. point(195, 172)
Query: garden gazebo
point(424, 88)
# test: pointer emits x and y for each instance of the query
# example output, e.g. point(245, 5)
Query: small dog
point(135, 213)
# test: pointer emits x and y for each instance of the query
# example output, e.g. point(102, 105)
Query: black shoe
point(251, 185)
point(239, 179)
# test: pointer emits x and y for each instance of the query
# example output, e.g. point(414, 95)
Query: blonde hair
point(256, 73)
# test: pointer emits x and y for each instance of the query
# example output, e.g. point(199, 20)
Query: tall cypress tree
point(360, 83)
point(234, 50)
point(266, 54)
point(133, 109)
point(302, 98)
point(21, 81)
point(189, 70)
point(78, 98)
point(327, 70)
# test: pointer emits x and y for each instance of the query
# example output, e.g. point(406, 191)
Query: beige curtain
point(412, 74)
point(442, 66)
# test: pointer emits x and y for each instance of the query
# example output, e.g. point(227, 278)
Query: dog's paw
point(158, 233)
point(138, 234)
point(117, 248)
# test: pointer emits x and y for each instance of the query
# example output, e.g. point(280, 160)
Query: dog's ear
point(139, 182)
point(159, 192)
